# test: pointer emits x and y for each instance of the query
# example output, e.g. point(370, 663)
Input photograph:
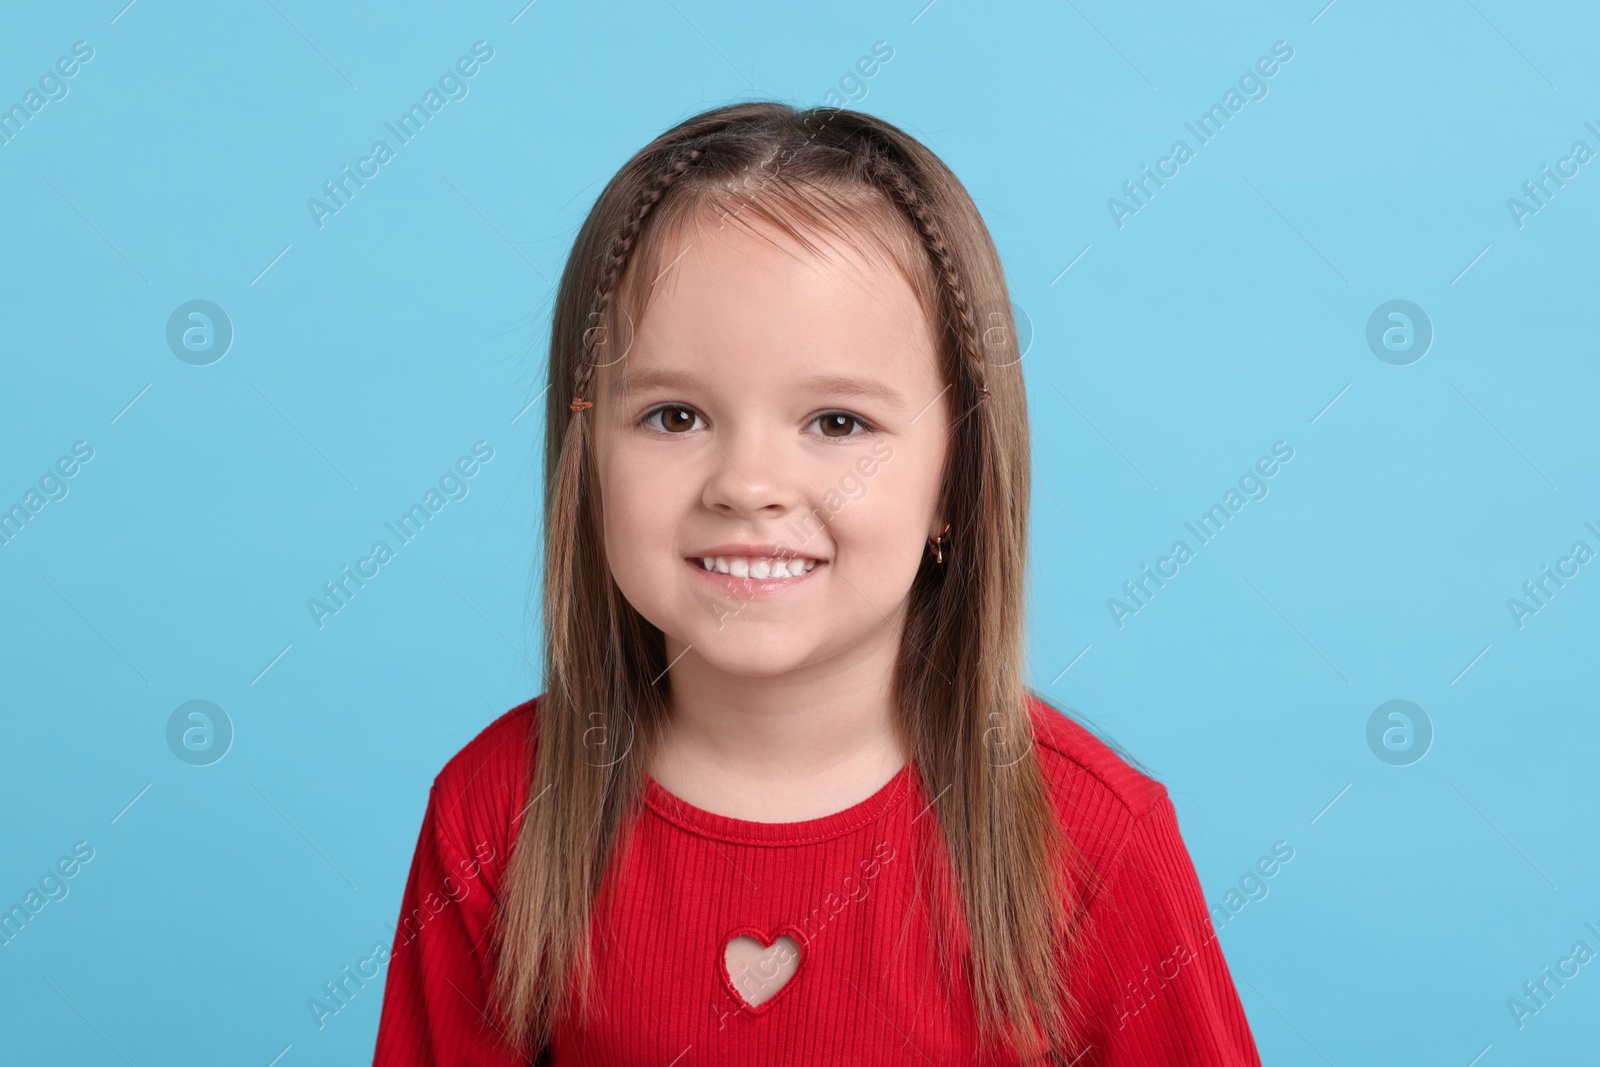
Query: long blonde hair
point(958, 679)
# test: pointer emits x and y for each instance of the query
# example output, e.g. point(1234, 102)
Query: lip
point(750, 588)
point(741, 549)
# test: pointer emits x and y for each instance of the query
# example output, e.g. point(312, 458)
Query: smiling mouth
point(757, 568)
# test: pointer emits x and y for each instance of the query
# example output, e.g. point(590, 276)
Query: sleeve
point(436, 997)
point(1157, 989)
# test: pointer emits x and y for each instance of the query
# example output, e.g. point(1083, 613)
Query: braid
point(616, 259)
point(894, 181)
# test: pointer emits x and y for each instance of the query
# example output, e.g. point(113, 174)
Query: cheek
point(881, 536)
point(640, 509)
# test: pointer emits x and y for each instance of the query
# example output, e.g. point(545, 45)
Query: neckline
point(704, 823)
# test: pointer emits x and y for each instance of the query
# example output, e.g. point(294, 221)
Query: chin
point(751, 651)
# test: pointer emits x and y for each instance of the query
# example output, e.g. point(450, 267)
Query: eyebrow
point(833, 384)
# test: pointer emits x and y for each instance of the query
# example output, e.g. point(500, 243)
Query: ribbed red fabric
point(845, 887)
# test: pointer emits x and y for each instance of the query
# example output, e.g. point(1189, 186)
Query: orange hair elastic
point(579, 403)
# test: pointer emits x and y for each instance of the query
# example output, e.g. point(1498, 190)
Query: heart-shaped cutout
point(757, 972)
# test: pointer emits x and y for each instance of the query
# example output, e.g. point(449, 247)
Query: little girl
point(787, 798)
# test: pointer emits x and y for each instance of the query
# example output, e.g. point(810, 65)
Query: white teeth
point(758, 567)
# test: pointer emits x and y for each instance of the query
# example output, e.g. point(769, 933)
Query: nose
point(753, 475)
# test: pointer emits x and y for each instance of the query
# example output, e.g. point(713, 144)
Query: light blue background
point(370, 354)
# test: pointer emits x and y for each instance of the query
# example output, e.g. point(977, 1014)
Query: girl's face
point(775, 403)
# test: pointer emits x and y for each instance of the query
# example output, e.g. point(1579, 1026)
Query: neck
point(829, 722)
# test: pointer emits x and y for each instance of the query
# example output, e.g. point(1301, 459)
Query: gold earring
point(938, 544)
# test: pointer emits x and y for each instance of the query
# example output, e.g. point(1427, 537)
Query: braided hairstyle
point(1007, 895)
point(617, 258)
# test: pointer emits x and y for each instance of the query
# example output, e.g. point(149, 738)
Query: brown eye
point(675, 418)
point(837, 424)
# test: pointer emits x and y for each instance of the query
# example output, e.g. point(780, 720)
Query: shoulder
point(1144, 911)
point(1098, 796)
point(481, 790)
point(1075, 759)
point(497, 749)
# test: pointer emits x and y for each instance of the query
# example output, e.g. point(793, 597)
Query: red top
point(842, 889)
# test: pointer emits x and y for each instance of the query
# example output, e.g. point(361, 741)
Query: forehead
point(744, 298)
